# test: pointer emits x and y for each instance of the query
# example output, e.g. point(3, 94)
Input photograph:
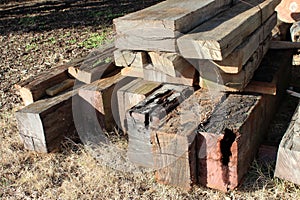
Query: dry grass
point(74, 173)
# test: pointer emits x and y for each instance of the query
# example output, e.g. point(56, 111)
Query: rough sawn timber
point(97, 64)
point(45, 123)
point(101, 95)
point(147, 116)
point(219, 36)
point(229, 142)
point(131, 94)
point(174, 143)
point(157, 27)
point(34, 88)
point(234, 63)
point(214, 78)
point(169, 63)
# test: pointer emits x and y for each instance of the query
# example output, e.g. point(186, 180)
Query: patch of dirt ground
point(37, 35)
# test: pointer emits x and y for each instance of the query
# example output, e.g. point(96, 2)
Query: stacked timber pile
point(51, 96)
point(170, 78)
point(192, 135)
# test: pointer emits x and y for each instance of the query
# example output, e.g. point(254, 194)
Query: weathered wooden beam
point(218, 37)
point(34, 88)
point(102, 96)
point(213, 78)
point(125, 58)
point(234, 63)
point(133, 72)
point(189, 75)
point(98, 64)
point(45, 123)
point(174, 143)
point(288, 156)
point(186, 76)
point(169, 63)
point(229, 142)
point(131, 94)
point(157, 27)
point(148, 115)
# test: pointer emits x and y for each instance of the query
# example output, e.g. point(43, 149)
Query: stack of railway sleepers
point(221, 51)
point(170, 78)
point(85, 86)
point(191, 135)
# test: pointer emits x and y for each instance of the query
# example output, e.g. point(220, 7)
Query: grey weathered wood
point(127, 58)
point(213, 78)
point(238, 58)
point(174, 143)
point(157, 27)
point(34, 88)
point(56, 89)
point(189, 76)
point(45, 123)
point(218, 37)
point(148, 115)
point(169, 63)
point(96, 65)
point(131, 94)
point(102, 96)
point(288, 156)
point(186, 76)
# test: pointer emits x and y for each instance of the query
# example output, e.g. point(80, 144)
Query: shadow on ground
point(46, 15)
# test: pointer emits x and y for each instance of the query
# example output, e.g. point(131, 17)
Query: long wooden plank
point(218, 37)
point(34, 88)
point(174, 143)
point(234, 63)
point(157, 27)
point(148, 115)
point(213, 78)
point(96, 65)
point(288, 156)
point(102, 96)
point(131, 94)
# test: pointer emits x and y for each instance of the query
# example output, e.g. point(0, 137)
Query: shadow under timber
point(45, 15)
